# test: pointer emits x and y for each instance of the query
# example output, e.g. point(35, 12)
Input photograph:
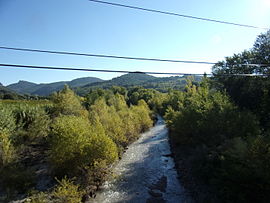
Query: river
point(146, 172)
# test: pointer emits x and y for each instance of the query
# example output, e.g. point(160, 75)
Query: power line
point(120, 57)
point(115, 71)
point(92, 70)
point(106, 56)
point(177, 14)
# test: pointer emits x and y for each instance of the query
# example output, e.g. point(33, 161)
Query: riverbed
point(146, 172)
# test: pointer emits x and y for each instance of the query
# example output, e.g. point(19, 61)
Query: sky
point(88, 27)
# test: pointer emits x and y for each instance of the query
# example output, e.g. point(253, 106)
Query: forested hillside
point(25, 87)
point(6, 93)
point(162, 84)
point(83, 85)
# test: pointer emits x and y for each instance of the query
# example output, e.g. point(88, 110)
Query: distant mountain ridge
point(126, 80)
point(25, 87)
point(139, 79)
point(83, 85)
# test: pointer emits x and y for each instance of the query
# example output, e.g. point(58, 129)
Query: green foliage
point(39, 197)
point(76, 144)
point(7, 120)
point(119, 90)
point(67, 192)
point(20, 121)
point(130, 121)
point(32, 123)
point(118, 102)
point(7, 151)
point(241, 170)
point(96, 94)
point(95, 175)
point(248, 92)
point(142, 113)
point(218, 137)
point(209, 117)
point(108, 117)
point(67, 103)
point(138, 93)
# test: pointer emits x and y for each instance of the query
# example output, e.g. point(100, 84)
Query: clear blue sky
point(83, 26)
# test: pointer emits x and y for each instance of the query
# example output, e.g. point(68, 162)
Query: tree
point(76, 144)
point(247, 92)
point(67, 103)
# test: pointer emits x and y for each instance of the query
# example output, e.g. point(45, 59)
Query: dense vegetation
point(73, 139)
point(220, 128)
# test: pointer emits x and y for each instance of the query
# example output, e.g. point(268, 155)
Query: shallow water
point(146, 172)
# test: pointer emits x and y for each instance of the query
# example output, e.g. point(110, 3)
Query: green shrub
point(143, 118)
point(32, 123)
point(7, 151)
point(95, 175)
point(222, 146)
point(7, 120)
point(76, 144)
point(130, 128)
point(39, 197)
point(209, 118)
point(67, 192)
point(108, 117)
point(66, 102)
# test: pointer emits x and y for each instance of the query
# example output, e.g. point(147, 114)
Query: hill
point(25, 87)
point(83, 85)
point(6, 93)
point(138, 79)
point(131, 79)
point(127, 80)
point(165, 83)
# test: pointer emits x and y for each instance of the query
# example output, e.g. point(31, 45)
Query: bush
point(76, 144)
point(209, 118)
point(66, 102)
point(32, 123)
point(67, 192)
point(7, 120)
point(108, 117)
point(39, 197)
point(7, 151)
point(221, 145)
point(143, 118)
point(95, 175)
point(130, 121)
